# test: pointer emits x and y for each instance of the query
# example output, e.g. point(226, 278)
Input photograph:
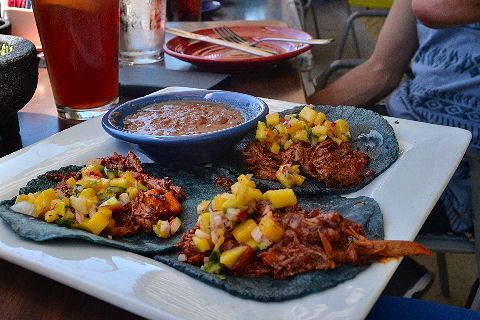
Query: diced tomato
point(152, 191)
point(242, 215)
point(172, 203)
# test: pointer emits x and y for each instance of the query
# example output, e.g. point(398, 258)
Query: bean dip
point(182, 118)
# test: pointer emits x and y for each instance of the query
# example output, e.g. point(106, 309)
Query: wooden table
point(27, 295)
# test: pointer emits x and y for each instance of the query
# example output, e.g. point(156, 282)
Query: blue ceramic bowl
point(187, 149)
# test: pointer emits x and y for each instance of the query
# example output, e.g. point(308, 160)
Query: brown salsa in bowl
point(182, 128)
point(178, 118)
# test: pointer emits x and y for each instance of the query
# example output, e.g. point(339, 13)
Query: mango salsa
point(308, 126)
point(281, 198)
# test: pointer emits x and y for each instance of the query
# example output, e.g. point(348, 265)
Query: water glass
point(142, 30)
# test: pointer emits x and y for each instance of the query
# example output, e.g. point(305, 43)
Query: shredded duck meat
point(312, 240)
point(337, 165)
point(143, 211)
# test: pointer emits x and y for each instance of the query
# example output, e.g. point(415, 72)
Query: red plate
point(221, 59)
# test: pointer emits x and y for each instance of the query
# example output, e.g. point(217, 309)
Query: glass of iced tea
point(80, 43)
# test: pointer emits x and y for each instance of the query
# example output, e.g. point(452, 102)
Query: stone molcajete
point(5, 26)
point(18, 79)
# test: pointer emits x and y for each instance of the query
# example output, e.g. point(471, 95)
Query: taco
point(140, 232)
point(364, 141)
point(271, 247)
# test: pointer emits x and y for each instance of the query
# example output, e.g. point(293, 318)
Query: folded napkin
point(140, 80)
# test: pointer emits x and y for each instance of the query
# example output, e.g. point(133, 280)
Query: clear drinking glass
point(142, 30)
point(80, 43)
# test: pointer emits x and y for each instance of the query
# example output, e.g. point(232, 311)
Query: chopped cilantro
point(64, 222)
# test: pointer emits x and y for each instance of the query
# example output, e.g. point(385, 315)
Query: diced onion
point(165, 227)
point(24, 207)
point(217, 219)
point(266, 210)
point(124, 198)
point(175, 225)
point(257, 235)
point(182, 257)
point(92, 210)
point(202, 234)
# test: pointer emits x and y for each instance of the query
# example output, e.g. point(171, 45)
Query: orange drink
point(80, 43)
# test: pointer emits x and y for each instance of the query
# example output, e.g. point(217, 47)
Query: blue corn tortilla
point(197, 184)
point(371, 134)
point(362, 210)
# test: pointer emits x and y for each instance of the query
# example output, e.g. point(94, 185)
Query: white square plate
point(406, 192)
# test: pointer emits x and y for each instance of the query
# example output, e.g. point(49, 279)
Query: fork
point(227, 34)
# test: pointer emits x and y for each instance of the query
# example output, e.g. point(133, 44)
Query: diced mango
point(294, 125)
point(43, 201)
point(275, 148)
point(281, 198)
point(319, 130)
point(204, 221)
point(219, 200)
point(320, 118)
point(338, 141)
point(58, 206)
point(301, 135)
point(242, 231)
point(237, 187)
point(230, 203)
point(79, 204)
point(270, 135)
point(346, 137)
point(97, 223)
point(162, 229)
point(229, 257)
point(129, 178)
point(119, 182)
point(112, 203)
point(341, 127)
point(281, 128)
point(84, 224)
point(246, 181)
point(247, 195)
point(91, 170)
point(23, 197)
point(282, 178)
point(270, 228)
point(261, 133)
point(71, 182)
point(107, 212)
point(51, 216)
point(89, 194)
point(132, 192)
point(252, 243)
point(298, 179)
point(308, 114)
point(89, 182)
point(288, 144)
point(201, 244)
point(272, 119)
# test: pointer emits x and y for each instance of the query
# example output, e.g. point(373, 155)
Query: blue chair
point(397, 308)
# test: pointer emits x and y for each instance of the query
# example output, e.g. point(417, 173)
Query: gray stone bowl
point(18, 79)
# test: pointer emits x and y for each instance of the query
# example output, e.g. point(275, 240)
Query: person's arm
point(381, 73)
point(446, 13)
